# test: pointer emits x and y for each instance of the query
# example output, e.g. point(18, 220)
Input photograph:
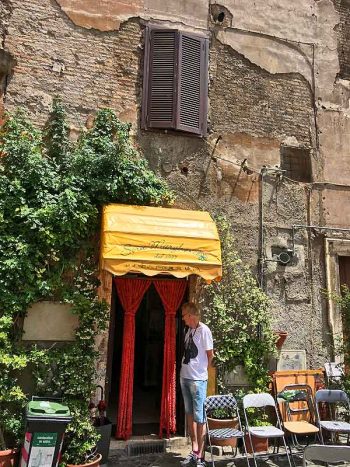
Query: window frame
point(176, 125)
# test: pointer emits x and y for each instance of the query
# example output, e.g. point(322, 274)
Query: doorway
point(344, 270)
point(149, 343)
point(148, 364)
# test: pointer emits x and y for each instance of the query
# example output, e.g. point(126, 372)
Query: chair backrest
point(226, 401)
point(326, 453)
point(300, 395)
point(331, 396)
point(258, 400)
point(334, 371)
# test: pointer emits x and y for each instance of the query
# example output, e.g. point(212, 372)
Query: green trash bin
point(46, 423)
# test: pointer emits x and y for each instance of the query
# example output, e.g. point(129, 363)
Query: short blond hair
point(191, 308)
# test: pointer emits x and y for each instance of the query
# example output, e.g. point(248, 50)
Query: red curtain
point(171, 293)
point(130, 292)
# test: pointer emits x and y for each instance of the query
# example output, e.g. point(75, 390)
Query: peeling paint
point(108, 15)
point(104, 15)
point(271, 54)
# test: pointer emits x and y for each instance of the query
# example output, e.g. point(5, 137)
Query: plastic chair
point(334, 425)
point(329, 453)
point(300, 394)
point(263, 400)
point(224, 402)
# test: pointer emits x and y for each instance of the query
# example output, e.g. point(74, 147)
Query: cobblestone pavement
point(172, 459)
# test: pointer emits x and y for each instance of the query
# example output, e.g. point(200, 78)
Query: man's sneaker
point(191, 460)
point(201, 463)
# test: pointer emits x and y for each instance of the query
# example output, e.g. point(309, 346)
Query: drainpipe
point(329, 287)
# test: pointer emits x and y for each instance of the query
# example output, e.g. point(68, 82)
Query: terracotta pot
point(215, 423)
point(282, 336)
point(9, 458)
point(259, 444)
point(95, 463)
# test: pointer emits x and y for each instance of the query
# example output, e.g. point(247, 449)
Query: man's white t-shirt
point(197, 367)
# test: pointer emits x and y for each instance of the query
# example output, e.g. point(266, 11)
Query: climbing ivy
point(342, 344)
point(51, 195)
point(237, 311)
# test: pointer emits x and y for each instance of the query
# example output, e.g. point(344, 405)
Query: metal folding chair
point(296, 401)
point(329, 453)
point(334, 374)
point(224, 402)
point(335, 425)
point(261, 401)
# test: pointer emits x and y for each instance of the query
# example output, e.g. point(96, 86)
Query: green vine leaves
point(237, 311)
point(51, 195)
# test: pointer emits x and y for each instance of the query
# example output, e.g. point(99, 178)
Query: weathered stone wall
point(343, 32)
point(88, 68)
point(5, 13)
point(255, 101)
point(272, 82)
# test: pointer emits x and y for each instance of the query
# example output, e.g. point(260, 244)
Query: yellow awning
point(150, 240)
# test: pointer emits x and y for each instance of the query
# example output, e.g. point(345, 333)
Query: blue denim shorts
point(194, 393)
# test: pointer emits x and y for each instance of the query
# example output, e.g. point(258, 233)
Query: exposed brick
point(99, 69)
point(256, 102)
point(343, 32)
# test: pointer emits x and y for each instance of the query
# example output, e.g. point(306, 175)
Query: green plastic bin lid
point(47, 408)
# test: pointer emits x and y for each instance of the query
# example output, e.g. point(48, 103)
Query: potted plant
point(79, 447)
point(10, 435)
point(10, 427)
point(238, 313)
point(222, 418)
point(12, 399)
point(102, 424)
point(257, 418)
point(281, 337)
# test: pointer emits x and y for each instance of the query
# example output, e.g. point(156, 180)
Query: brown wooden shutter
point(175, 81)
point(192, 84)
point(161, 92)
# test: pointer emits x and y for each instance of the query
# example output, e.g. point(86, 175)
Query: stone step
point(118, 447)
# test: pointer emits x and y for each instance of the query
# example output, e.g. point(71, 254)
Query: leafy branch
point(51, 195)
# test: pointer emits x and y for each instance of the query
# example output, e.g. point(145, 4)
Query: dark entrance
point(344, 270)
point(149, 342)
point(148, 367)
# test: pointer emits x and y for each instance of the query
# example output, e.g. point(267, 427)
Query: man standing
point(198, 356)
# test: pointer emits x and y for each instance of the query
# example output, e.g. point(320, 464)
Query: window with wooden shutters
point(175, 86)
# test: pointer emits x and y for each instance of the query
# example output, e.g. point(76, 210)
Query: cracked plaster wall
point(271, 63)
point(107, 15)
point(343, 34)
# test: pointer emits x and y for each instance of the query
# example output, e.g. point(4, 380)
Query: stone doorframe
point(334, 247)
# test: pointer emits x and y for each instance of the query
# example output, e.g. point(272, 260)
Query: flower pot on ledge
point(259, 444)
point(94, 463)
point(282, 336)
point(216, 423)
point(9, 458)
